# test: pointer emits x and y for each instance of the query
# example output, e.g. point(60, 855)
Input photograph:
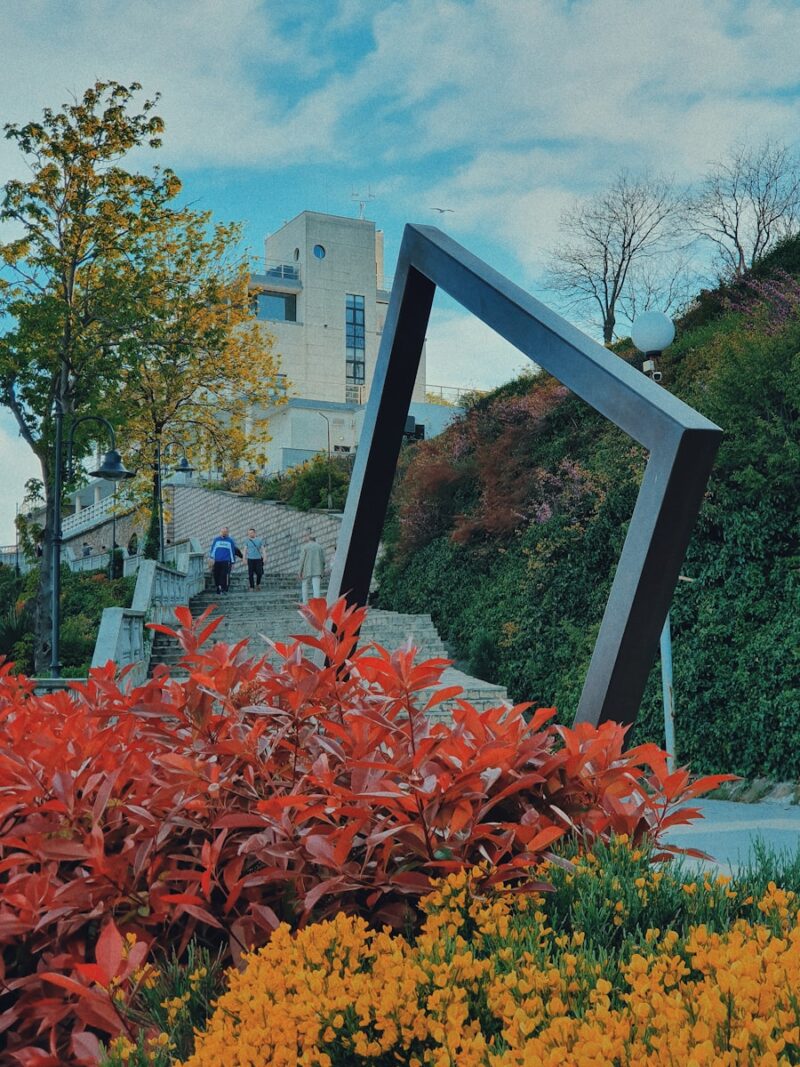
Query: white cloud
point(506, 72)
point(503, 110)
point(221, 69)
point(244, 84)
point(540, 101)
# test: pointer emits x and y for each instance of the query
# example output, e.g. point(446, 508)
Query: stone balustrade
point(123, 636)
point(87, 517)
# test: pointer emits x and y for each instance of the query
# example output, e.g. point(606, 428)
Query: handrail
point(87, 517)
point(123, 636)
point(96, 561)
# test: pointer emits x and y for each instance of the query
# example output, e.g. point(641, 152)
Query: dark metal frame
point(682, 445)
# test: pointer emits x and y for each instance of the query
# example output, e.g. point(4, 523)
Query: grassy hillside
point(508, 528)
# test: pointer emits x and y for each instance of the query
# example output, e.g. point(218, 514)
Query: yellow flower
point(701, 998)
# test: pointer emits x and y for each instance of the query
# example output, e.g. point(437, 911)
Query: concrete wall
point(312, 350)
point(201, 512)
point(99, 537)
point(298, 430)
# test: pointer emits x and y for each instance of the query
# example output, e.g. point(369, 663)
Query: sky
point(504, 112)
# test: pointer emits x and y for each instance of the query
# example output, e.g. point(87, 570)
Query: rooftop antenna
point(362, 200)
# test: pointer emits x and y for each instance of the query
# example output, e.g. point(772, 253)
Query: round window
point(319, 251)
point(296, 254)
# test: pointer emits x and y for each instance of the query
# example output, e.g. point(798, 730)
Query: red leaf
point(87, 1049)
point(441, 695)
point(109, 951)
point(203, 915)
point(70, 985)
point(544, 838)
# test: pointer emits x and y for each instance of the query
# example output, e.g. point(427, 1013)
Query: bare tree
point(748, 201)
point(665, 283)
point(608, 235)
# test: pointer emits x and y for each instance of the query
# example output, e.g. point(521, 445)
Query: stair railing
point(123, 636)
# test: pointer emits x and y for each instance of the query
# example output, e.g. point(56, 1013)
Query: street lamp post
point(183, 466)
point(328, 425)
point(160, 502)
point(113, 470)
point(651, 333)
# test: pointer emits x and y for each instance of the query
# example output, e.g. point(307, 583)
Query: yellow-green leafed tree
point(73, 230)
point(200, 371)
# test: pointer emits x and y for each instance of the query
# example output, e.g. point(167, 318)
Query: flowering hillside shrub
point(251, 794)
point(477, 479)
point(509, 981)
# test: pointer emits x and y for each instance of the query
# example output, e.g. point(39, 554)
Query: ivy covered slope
point(508, 528)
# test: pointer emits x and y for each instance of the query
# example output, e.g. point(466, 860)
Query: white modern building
point(323, 298)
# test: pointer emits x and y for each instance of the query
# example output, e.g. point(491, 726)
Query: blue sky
point(504, 111)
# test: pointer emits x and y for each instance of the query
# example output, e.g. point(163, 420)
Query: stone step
point(272, 614)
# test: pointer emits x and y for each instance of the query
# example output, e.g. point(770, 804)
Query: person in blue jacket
point(223, 553)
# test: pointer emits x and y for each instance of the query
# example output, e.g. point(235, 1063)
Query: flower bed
point(250, 795)
point(619, 963)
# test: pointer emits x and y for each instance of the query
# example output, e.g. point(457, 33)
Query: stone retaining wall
point(197, 512)
point(99, 536)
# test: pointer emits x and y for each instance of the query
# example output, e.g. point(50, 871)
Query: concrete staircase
point(273, 613)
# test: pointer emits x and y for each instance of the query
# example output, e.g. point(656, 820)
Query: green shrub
point(15, 622)
point(84, 596)
point(172, 998)
point(306, 486)
point(11, 586)
point(77, 640)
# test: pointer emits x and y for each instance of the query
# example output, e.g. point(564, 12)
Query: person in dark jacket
point(223, 553)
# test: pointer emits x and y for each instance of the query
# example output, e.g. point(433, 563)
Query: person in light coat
point(312, 566)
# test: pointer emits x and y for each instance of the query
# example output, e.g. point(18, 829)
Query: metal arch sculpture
point(682, 445)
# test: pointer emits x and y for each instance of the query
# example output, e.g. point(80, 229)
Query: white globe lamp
point(652, 332)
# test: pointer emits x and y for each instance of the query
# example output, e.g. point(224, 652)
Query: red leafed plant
point(253, 793)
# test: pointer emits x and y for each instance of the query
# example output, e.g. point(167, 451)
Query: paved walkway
point(728, 829)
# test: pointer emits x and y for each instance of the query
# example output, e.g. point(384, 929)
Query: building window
point(319, 251)
point(355, 341)
point(277, 307)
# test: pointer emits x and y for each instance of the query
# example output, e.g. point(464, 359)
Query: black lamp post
point(328, 425)
point(113, 470)
point(183, 466)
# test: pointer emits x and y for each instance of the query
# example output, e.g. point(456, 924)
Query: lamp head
point(652, 331)
point(112, 468)
point(183, 466)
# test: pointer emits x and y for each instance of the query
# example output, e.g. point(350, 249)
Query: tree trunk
point(153, 540)
point(43, 616)
point(609, 323)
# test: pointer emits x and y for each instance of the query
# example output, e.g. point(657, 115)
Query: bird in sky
point(443, 210)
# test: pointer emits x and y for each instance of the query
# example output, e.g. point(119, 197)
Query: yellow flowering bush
point(517, 980)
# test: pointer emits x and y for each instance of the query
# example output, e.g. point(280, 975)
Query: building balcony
point(281, 276)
